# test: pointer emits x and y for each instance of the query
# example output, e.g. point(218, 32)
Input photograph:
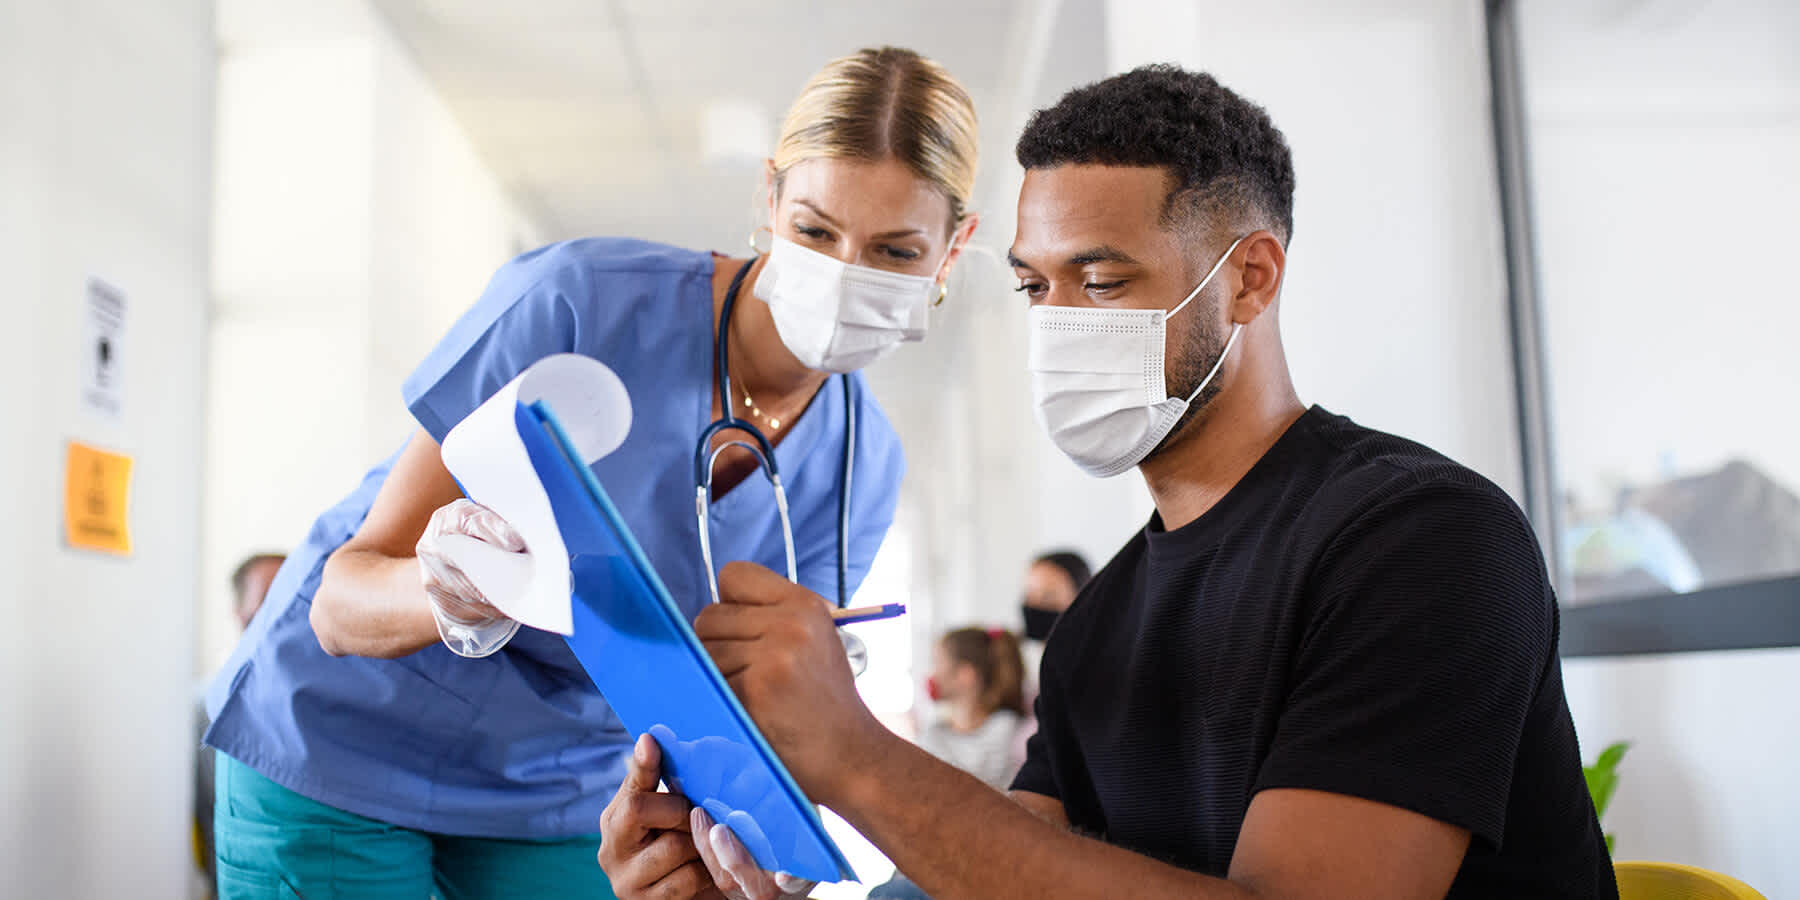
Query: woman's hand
point(732, 868)
point(469, 625)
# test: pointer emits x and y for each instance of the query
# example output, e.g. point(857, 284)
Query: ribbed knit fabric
point(1358, 615)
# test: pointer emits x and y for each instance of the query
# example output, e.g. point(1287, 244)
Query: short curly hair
point(1227, 159)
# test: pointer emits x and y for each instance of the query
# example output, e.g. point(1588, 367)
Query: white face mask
point(1097, 376)
point(838, 317)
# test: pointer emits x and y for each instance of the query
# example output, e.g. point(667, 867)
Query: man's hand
point(645, 844)
point(776, 644)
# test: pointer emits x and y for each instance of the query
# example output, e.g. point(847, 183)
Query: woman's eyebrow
point(886, 235)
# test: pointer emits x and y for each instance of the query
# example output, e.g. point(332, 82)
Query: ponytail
point(995, 656)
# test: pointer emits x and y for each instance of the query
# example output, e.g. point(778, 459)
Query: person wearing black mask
point(1050, 586)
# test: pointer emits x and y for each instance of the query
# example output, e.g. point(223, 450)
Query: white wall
point(1710, 779)
point(355, 223)
point(105, 167)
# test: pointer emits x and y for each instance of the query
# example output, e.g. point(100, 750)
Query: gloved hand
point(733, 870)
point(468, 623)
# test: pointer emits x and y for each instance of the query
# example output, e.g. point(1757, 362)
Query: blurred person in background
point(976, 680)
point(1051, 584)
point(249, 585)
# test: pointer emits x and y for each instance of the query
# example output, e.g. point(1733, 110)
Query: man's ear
point(1262, 263)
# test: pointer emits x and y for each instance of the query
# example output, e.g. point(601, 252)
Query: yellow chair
point(1674, 881)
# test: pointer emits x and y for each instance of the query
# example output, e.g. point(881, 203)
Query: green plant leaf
point(1610, 757)
point(1603, 778)
point(1601, 789)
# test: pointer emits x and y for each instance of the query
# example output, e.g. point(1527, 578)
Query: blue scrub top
point(520, 744)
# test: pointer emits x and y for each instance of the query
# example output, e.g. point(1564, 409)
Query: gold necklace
point(751, 405)
point(756, 411)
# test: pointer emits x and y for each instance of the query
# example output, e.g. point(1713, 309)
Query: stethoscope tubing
point(705, 455)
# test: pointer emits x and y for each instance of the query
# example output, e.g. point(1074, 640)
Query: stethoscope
point(705, 455)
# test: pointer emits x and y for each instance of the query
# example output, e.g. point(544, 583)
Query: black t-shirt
point(1358, 615)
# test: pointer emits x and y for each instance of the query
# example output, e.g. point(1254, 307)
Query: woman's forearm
point(372, 604)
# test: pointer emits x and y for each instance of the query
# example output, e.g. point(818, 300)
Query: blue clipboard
point(644, 657)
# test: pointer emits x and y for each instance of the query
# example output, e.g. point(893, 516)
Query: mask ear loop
point(1235, 330)
point(1204, 281)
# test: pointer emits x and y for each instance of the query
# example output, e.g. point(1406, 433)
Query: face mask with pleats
point(836, 316)
point(1098, 379)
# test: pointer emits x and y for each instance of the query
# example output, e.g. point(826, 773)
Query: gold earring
point(943, 291)
point(756, 231)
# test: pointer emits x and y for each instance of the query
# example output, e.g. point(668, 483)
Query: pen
point(842, 617)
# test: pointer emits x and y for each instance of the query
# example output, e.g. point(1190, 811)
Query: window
point(1659, 181)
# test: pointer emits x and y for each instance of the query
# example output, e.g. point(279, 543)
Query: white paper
point(487, 456)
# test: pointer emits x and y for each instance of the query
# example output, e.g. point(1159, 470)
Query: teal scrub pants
point(274, 844)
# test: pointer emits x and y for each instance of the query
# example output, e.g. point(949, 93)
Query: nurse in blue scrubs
point(383, 731)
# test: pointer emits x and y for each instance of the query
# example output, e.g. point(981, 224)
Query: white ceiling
point(589, 110)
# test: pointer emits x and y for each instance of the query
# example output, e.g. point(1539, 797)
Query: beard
point(1203, 350)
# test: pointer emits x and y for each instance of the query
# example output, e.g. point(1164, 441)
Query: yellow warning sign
point(96, 497)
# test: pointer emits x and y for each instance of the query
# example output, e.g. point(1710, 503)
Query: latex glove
point(468, 623)
point(733, 870)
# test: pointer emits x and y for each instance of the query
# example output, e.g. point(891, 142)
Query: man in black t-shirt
point(1326, 668)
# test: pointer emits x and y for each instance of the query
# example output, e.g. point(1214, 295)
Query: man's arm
point(956, 837)
point(1049, 809)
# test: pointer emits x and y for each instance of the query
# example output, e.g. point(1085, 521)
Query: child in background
point(979, 676)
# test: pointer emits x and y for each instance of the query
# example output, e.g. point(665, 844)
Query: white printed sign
point(102, 342)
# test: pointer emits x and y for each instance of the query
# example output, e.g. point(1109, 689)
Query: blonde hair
point(886, 103)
